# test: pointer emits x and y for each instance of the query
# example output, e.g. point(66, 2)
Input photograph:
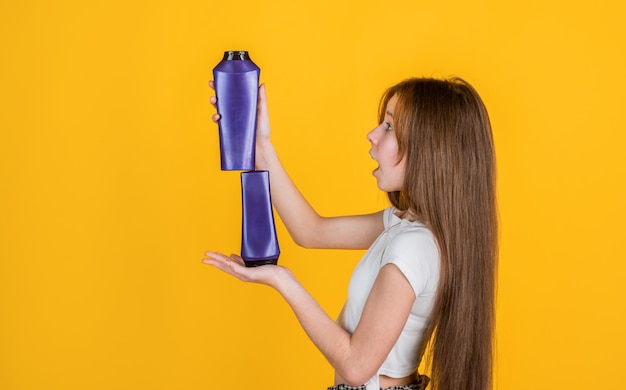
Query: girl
point(428, 277)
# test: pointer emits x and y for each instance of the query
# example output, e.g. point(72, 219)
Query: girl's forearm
point(295, 211)
point(331, 339)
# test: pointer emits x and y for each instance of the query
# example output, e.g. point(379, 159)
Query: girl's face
point(390, 173)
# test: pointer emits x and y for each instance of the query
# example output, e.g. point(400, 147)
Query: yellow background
point(110, 187)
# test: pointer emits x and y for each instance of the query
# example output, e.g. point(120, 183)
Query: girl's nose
point(371, 136)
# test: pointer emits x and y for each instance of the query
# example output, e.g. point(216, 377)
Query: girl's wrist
point(283, 280)
point(263, 149)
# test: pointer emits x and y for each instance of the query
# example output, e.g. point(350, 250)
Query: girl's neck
point(407, 215)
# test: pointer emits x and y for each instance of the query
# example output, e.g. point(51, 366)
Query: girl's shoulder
point(413, 249)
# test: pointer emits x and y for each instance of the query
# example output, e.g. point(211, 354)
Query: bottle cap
point(236, 55)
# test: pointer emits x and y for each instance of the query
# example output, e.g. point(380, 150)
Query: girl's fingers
point(219, 265)
point(237, 259)
point(213, 100)
point(221, 262)
point(215, 258)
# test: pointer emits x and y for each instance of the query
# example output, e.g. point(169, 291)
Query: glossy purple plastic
point(236, 80)
point(259, 243)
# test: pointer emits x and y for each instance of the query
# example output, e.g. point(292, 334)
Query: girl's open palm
point(234, 265)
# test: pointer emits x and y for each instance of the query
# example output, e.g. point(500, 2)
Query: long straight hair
point(444, 134)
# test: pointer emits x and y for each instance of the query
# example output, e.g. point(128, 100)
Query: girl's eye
point(388, 126)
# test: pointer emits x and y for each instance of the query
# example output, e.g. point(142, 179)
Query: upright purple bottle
point(259, 245)
point(236, 80)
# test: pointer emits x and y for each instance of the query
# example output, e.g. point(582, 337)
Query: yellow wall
point(110, 188)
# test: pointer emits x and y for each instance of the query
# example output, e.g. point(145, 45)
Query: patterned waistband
point(420, 384)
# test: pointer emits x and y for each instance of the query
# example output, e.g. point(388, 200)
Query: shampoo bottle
point(236, 80)
point(259, 244)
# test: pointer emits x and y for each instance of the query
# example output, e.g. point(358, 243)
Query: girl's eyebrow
point(389, 113)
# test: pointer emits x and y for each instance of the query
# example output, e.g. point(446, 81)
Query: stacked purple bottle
point(236, 80)
point(259, 245)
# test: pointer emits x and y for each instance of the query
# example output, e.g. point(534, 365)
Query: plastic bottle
point(259, 243)
point(236, 80)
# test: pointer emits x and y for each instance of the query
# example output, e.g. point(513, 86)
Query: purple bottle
point(259, 244)
point(236, 80)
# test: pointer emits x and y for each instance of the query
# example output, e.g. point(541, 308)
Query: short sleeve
point(388, 216)
point(415, 253)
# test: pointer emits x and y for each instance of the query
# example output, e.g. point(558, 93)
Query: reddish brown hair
point(444, 133)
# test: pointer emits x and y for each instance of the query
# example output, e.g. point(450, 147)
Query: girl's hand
point(266, 274)
point(262, 117)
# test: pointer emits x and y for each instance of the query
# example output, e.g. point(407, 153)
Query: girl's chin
point(381, 186)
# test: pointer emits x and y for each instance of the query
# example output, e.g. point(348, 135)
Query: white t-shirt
point(412, 248)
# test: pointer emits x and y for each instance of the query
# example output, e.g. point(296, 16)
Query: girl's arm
point(305, 225)
point(355, 357)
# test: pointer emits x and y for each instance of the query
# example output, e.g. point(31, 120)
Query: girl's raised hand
point(262, 116)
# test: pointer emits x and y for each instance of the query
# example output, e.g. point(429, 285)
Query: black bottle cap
point(236, 55)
